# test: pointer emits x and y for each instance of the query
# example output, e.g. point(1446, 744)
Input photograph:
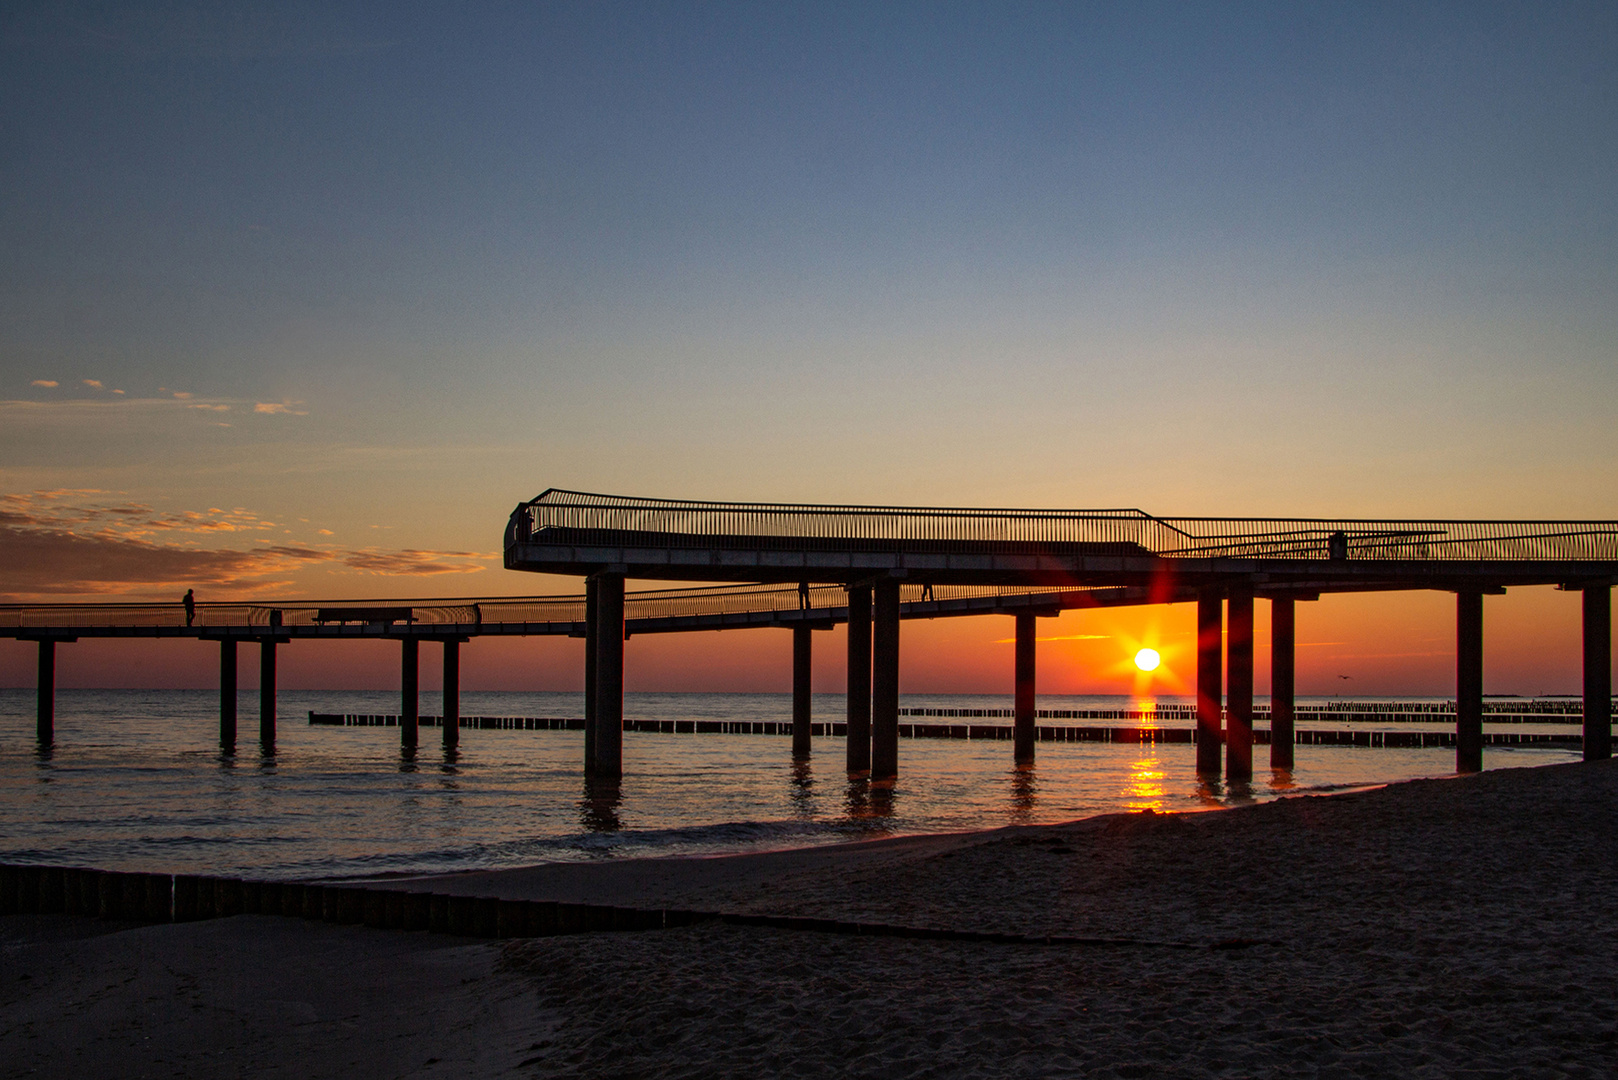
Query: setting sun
point(1148, 659)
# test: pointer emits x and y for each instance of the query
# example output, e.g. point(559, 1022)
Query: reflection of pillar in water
point(599, 806)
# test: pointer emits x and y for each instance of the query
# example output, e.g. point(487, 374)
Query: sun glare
point(1148, 659)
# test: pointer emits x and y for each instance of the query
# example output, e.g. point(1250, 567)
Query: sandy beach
point(1435, 928)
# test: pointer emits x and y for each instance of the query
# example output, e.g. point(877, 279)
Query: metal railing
point(579, 518)
point(469, 612)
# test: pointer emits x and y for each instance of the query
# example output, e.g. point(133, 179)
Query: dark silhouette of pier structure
point(808, 568)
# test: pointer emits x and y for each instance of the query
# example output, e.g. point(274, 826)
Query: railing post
point(227, 695)
point(802, 688)
point(885, 682)
point(1239, 687)
point(1283, 689)
point(452, 693)
point(1210, 690)
point(1023, 733)
point(266, 694)
point(409, 692)
point(1469, 681)
point(45, 721)
point(1597, 672)
point(859, 681)
point(609, 699)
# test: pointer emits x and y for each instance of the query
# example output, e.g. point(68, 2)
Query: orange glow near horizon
point(1373, 644)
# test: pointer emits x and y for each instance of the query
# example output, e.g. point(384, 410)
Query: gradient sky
point(302, 299)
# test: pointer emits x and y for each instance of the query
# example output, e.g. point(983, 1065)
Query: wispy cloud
point(1059, 637)
point(49, 384)
point(288, 408)
point(94, 384)
point(87, 542)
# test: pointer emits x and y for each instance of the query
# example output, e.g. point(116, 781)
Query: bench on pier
point(364, 614)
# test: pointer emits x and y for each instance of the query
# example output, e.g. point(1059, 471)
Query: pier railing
point(580, 518)
point(471, 613)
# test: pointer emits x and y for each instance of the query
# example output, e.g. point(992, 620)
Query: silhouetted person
point(190, 603)
point(1337, 546)
point(803, 596)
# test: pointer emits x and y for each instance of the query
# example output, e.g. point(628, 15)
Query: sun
point(1148, 659)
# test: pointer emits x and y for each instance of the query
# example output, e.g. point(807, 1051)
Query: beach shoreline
point(1429, 928)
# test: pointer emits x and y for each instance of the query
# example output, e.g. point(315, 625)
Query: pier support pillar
point(1469, 681)
point(609, 663)
point(1239, 687)
point(802, 669)
point(227, 695)
point(1023, 735)
point(452, 693)
point(885, 682)
point(592, 630)
point(266, 694)
point(859, 681)
point(1283, 684)
point(1597, 672)
point(45, 722)
point(1210, 688)
point(409, 692)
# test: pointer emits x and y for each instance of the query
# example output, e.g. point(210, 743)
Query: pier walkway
point(1221, 564)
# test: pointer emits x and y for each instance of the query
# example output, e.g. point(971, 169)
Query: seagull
point(1345, 676)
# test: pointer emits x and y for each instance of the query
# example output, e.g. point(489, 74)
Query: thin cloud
point(94, 384)
point(1059, 637)
point(49, 384)
point(69, 542)
point(283, 408)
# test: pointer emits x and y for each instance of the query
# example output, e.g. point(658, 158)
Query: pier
point(1222, 564)
point(804, 568)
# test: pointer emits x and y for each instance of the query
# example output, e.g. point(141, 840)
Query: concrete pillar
point(45, 723)
point(802, 668)
point(1023, 734)
point(227, 695)
point(409, 692)
point(1283, 685)
point(609, 700)
point(1210, 687)
point(859, 681)
point(1239, 687)
point(1597, 672)
point(591, 632)
point(1469, 681)
point(452, 693)
point(885, 682)
point(266, 693)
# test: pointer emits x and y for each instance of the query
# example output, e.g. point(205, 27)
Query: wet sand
point(1446, 928)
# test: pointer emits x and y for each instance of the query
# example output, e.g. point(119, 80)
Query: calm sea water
point(136, 781)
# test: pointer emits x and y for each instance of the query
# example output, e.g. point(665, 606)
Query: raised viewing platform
point(576, 533)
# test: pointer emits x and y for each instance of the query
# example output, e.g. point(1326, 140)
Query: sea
point(135, 780)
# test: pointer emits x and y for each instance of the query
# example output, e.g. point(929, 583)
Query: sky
point(301, 300)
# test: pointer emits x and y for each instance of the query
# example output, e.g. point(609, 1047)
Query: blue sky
point(413, 265)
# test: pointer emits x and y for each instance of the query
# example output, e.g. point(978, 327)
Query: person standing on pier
point(190, 602)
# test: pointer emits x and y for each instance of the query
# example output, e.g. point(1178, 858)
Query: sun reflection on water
point(1144, 789)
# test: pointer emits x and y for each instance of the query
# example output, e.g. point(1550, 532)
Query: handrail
point(483, 611)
